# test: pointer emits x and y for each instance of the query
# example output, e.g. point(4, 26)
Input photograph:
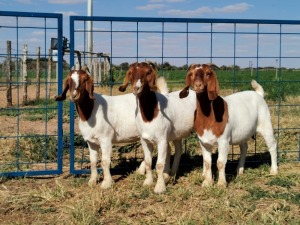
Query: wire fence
point(265, 50)
point(31, 134)
point(36, 131)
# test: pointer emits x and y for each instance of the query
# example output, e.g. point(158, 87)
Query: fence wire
point(265, 50)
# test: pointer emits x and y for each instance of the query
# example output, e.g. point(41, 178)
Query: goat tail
point(162, 85)
point(258, 88)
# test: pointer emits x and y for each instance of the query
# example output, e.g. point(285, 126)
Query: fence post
point(8, 74)
point(95, 71)
point(100, 71)
point(24, 74)
point(49, 73)
point(38, 76)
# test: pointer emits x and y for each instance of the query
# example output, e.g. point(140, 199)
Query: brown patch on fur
point(84, 99)
point(212, 110)
point(148, 104)
point(208, 116)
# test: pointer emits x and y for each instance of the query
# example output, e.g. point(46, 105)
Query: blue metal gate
point(31, 135)
point(265, 50)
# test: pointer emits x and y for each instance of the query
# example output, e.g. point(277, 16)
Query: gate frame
point(59, 18)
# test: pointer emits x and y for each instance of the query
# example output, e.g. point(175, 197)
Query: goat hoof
point(142, 169)
point(92, 182)
point(240, 171)
point(166, 177)
point(148, 182)
point(222, 184)
point(106, 184)
point(159, 189)
point(273, 172)
point(207, 183)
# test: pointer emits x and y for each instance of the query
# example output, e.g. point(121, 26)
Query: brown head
point(140, 75)
point(201, 77)
point(80, 85)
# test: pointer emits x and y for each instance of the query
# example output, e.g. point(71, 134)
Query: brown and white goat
point(103, 120)
point(160, 118)
point(230, 120)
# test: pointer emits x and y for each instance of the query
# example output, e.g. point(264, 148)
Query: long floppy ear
point(190, 67)
point(219, 108)
point(214, 66)
point(123, 87)
point(152, 79)
point(152, 65)
point(213, 89)
point(185, 92)
point(63, 96)
point(89, 86)
point(188, 81)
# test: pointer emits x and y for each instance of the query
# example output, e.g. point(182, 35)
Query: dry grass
point(254, 198)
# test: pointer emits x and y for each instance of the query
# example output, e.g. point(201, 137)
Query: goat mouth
point(199, 91)
point(136, 90)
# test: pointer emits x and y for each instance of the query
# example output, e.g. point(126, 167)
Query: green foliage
point(37, 148)
point(282, 182)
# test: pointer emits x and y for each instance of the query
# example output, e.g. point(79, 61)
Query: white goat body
point(230, 120)
point(174, 122)
point(103, 120)
point(160, 118)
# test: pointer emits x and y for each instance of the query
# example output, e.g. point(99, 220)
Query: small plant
point(282, 182)
point(37, 148)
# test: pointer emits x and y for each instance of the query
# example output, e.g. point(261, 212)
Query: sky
point(229, 9)
point(242, 9)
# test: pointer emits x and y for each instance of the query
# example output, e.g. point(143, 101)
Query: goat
point(103, 120)
point(160, 118)
point(230, 120)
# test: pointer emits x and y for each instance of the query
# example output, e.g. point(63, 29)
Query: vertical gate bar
point(46, 108)
point(234, 52)
point(18, 102)
point(211, 41)
point(257, 50)
point(187, 43)
point(111, 50)
point(137, 41)
point(72, 150)
point(162, 47)
point(279, 91)
point(59, 88)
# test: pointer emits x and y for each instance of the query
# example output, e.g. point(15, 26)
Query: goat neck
point(84, 107)
point(148, 103)
point(210, 114)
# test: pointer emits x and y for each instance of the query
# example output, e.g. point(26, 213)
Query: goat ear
point(190, 67)
point(185, 92)
point(90, 87)
point(63, 96)
point(151, 79)
point(152, 65)
point(213, 89)
point(123, 87)
point(219, 108)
